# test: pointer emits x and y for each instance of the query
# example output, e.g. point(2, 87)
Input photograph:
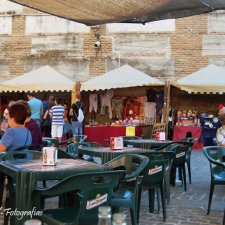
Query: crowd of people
point(24, 123)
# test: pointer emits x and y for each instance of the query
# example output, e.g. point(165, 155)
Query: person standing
point(67, 124)
point(57, 115)
point(77, 126)
point(36, 107)
point(46, 121)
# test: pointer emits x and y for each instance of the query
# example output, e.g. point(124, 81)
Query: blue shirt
point(15, 138)
point(35, 106)
point(57, 114)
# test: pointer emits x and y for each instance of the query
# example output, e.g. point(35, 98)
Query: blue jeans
point(77, 128)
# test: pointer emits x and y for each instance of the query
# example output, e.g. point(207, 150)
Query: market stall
point(118, 99)
point(196, 112)
point(42, 81)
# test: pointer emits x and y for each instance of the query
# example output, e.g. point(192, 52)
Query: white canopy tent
point(122, 77)
point(210, 79)
point(42, 79)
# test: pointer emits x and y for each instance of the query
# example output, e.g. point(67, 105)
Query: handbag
point(46, 122)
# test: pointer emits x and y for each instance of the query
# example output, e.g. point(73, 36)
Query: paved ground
point(188, 208)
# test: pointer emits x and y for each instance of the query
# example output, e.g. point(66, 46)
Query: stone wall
point(164, 49)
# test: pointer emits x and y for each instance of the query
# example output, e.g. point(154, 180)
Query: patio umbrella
point(93, 12)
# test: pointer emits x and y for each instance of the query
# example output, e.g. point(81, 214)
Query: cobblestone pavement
point(187, 208)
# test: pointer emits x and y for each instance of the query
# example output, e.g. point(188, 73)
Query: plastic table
point(27, 172)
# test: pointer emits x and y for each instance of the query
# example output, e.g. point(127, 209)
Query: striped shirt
point(57, 114)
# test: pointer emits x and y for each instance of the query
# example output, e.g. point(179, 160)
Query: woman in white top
point(220, 134)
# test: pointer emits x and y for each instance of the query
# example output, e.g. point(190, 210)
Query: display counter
point(180, 132)
point(101, 134)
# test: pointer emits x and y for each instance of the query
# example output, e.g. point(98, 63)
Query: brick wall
point(163, 54)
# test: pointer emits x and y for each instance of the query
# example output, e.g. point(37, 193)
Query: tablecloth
point(100, 134)
point(180, 132)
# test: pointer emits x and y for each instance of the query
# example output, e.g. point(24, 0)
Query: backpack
point(80, 116)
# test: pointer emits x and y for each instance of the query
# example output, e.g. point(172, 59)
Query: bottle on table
point(104, 215)
point(119, 219)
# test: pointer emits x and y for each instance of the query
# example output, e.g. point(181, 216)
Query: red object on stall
point(180, 132)
point(101, 134)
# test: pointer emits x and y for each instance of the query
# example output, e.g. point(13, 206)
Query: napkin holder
point(49, 156)
point(116, 143)
point(161, 136)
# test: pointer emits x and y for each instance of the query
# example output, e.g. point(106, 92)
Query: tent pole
point(166, 105)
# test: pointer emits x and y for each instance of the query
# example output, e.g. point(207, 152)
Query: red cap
point(220, 106)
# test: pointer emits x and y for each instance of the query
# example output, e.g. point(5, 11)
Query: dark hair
point(18, 111)
point(58, 100)
point(51, 98)
point(27, 107)
point(30, 94)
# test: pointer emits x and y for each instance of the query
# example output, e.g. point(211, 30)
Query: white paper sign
point(161, 136)
point(49, 156)
point(116, 143)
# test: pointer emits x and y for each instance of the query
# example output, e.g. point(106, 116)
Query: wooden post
point(75, 91)
point(166, 105)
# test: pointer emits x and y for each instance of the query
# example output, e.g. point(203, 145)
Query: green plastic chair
point(87, 157)
point(216, 158)
point(64, 155)
point(72, 149)
point(153, 177)
point(54, 142)
point(179, 162)
point(129, 138)
point(79, 138)
point(127, 195)
point(94, 189)
point(169, 147)
point(46, 143)
point(188, 155)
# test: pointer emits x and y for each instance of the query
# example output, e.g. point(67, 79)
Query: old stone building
point(164, 49)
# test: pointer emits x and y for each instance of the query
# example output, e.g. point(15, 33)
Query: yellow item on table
point(130, 131)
